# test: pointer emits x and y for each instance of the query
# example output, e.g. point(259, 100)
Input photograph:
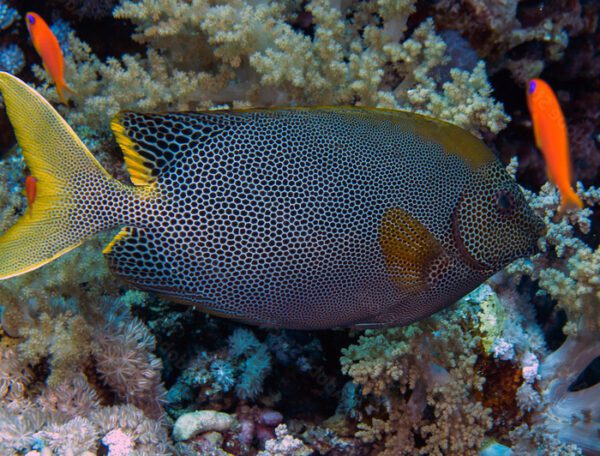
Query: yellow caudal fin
point(61, 165)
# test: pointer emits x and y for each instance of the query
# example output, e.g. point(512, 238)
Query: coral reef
point(421, 384)
point(12, 59)
point(362, 63)
point(88, 366)
point(8, 15)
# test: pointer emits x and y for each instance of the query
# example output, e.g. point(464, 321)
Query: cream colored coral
point(430, 363)
point(567, 268)
point(245, 54)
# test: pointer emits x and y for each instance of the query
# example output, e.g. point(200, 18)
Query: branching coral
point(496, 28)
point(567, 267)
point(567, 271)
point(63, 338)
point(441, 386)
point(546, 414)
point(424, 384)
point(250, 55)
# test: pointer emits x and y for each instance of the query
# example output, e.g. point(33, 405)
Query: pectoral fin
point(413, 256)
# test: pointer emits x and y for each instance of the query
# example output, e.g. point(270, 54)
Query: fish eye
point(531, 87)
point(31, 19)
point(505, 202)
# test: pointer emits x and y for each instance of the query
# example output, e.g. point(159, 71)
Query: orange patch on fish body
point(30, 191)
point(551, 138)
point(47, 47)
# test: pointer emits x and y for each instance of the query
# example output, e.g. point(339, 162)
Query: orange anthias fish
point(47, 47)
point(31, 191)
point(550, 132)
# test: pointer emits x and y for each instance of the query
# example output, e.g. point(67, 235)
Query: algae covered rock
point(191, 424)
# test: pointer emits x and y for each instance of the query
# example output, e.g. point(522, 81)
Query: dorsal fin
point(150, 142)
point(141, 140)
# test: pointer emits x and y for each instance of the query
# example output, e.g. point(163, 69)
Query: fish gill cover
point(90, 366)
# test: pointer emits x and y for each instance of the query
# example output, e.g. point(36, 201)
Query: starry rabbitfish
point(298, 218)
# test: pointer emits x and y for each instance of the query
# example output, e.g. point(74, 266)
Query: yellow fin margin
point(138, 168)
point(120, 235)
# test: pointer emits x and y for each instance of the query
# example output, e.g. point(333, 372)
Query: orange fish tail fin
point(61, 166)
point(570, 201)
point(65, 93)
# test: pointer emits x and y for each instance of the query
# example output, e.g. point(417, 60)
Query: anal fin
point(131, 256)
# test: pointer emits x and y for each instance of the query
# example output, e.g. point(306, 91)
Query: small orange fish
point(47, 47)
point(550, 132)
point(31, 191)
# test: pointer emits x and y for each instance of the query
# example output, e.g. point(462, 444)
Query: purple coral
point(257, 423)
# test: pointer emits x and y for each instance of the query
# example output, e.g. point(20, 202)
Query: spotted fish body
point(297, 218)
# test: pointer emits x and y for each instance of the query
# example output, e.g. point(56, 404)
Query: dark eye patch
point(505, 202)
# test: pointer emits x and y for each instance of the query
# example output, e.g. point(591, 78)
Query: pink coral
point(118, 443)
